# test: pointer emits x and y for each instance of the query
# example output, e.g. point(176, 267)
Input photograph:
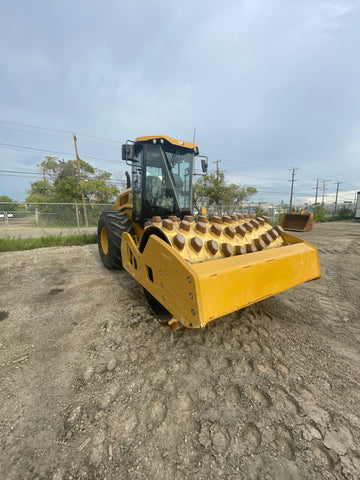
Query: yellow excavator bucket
point(196, 290)
point(297, 222)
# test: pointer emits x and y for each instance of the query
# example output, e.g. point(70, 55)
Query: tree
point(209, 190)
point(212, 190)
point(259, 211)
point(62, 183)
point(319, 214)
point(7, 203)
point(345, 213)
point(5, 199)
point(235, 196)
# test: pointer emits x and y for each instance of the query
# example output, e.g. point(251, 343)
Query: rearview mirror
point(204, 165)
point(127, 151)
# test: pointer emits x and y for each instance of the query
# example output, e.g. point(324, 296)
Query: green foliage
point(281, 209)
point(212, 190)
point(279, 217)
point(5, 199)
point(11, 244)
point(209, 189)
point(41, 191)
point(320, 214)
point(62, 183)
point(259, 212)
point(345, 213)
point(7, 203)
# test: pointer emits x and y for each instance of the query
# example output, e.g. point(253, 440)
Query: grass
point(12, 244)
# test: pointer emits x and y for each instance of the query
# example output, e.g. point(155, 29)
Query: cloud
point(271, 83)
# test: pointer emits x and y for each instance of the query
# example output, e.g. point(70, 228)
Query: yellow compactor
point(193, 271)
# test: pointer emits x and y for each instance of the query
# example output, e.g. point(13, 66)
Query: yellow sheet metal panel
point(198, 293)
point(173, 141)
point(123, 201)
point(167, 276)
point(240, 281)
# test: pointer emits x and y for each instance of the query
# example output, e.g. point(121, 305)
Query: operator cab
point(162, 171)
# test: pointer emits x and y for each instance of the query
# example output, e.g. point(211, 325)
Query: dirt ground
point(92, 387)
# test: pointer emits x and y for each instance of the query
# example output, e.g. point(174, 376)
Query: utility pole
point(80, 181)
point(336, 198)
point(217, 169)
point(317, 189)
point(324, 188)
point(292, 184)
point(217, 186)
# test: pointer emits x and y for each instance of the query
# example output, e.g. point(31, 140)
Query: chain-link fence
point(87, 215)
point(51, 214)
point(268, 210)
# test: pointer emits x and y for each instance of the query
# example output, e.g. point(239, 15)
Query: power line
point(102, 139)
point(237, 162)
point(24, 174)
point(4, 145)
point(14, 175)
point(307, 173)
point(32, 173)
point(270, 192)
point(18, 171)
point(8, 145)
point(52, 134)
point(59, 130)
point(268, 166)
point(261, 178)
point(304, 183)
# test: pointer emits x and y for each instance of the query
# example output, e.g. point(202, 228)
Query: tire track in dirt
point(266, 392)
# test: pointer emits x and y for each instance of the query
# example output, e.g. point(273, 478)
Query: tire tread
point(116, 223)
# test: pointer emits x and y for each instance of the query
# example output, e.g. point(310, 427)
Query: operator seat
point(178, 181)
point(153, 188)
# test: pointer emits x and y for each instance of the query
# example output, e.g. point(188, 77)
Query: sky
point(265, 85)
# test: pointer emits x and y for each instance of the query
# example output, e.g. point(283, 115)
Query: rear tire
point(111, 226)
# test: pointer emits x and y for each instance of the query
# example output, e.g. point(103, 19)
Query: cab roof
point(173, 141)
